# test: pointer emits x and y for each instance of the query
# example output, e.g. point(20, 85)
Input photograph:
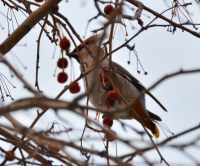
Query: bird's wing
point(135, 82)
point(154, 116)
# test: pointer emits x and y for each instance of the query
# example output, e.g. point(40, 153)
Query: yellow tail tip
point(157, 133)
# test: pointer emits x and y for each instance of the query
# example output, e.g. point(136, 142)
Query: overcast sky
point(160, 53)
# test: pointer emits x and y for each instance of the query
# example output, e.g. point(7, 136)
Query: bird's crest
point(91, 40)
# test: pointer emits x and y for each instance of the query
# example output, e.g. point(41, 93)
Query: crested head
point(95, 39)
point(93, 45)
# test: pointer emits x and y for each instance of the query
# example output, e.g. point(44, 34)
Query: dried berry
point(54, 149)
point(112, 95)
point(64, 43)
point(111, 136)
point(75, 88)
point(107, 122)
point(108, 9)
point(62, 63)
point(62, 77)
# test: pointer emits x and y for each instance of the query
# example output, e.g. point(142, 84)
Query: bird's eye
point(80, 47)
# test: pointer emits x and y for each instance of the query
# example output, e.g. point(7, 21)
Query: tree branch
point(27, 25)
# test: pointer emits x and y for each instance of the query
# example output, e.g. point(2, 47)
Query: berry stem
point(107, 144)
point(54, 52)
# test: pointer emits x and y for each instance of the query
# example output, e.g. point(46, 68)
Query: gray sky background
point(160, 53)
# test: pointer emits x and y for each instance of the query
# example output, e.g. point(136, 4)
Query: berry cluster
point(62, 63)
point(111, 97)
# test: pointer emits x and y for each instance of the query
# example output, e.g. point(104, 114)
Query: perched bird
point(103, 94)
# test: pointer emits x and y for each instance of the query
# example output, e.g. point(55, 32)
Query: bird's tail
point(152, 127)
point(157, 133)
point(147, 123)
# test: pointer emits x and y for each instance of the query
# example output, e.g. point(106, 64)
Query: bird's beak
point(74, 55)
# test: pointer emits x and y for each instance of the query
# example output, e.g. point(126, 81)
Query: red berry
point(112, 95)
point(62, 63)
point(10, 157)
point(111, 136)
point(107, 122)
point(102, 77)
point(39, 0)
point(108, 9)
point(75, 88)
point(57, 8)
point(62, 77)
point(64, 43)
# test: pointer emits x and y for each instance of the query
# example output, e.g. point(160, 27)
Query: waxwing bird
point(103, 94)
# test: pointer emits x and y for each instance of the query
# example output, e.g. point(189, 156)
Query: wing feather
point(136, 82)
